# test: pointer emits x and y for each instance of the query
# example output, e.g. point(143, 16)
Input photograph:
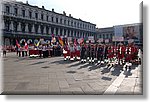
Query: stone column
point(33, 29)
point(39, 29)
point(26, 28)
point(11, 26)
point(62, 32)
point(58, 31)
point(49, 31)
point(19, 27)
point(44, 30)
point(73, 33)
point(55, 31)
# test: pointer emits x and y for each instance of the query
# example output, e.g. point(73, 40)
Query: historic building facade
point(124, 33)
point(24, 21)
point(105, 33)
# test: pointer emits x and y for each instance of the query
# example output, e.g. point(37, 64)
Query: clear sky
point(103, 13)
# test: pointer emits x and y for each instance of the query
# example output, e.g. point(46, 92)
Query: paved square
point(56, 76)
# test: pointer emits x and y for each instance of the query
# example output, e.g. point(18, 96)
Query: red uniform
point(110, 52)
point(121, 52)
point(65, 51)
point(128, 54)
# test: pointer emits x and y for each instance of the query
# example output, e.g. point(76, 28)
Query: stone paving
point(56, 76)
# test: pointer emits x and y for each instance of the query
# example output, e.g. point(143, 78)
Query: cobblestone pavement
point(56, 76)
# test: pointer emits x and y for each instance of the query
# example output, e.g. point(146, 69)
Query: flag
point(37, 44)
point(17, 44)
point(60, 41)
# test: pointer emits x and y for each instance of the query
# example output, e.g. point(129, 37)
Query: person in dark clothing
point(83, 55)
point(88, 52)
point(100, 54)
point(106, 52)
point(92, 53)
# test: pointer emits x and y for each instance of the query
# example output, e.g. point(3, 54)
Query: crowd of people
point(120, 54)
point(96, 53)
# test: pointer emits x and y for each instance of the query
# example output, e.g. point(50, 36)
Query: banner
point(100, 40)
point(117, 38)
point(106, 40)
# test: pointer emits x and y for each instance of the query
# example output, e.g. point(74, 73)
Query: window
point(64, 21)
point(56, 20)
point(47, 18)
point(7, 25)
point(52, 19)
point(16, 11)
point(30, 14)
point(23, 13)
point(61, 21)
point(30, 28)
point(23, 27)
point(75, 24)
point(36, 15)
point(68, 22)
point(15, 26)
point(71, 23)
point(7, 9)
point(41, 16)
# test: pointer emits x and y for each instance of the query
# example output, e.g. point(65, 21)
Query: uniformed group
point(99, 54)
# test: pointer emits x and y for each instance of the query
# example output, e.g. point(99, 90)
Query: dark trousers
point(22, 53)
point(4, 53)
point(26, 53)
point(19, 52)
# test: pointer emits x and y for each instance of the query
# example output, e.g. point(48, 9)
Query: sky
point(103, 13)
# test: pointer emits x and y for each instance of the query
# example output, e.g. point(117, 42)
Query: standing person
point(83, 51)
point(106, 53)
point(4, 51)
point(95, 52)
point(128, 58)
point(72, 51)
point(26, 49)
point(77, 53)
point(44, 51)
point(92, 53)
point(65, 49)
point(88, 52)
point(100, 54)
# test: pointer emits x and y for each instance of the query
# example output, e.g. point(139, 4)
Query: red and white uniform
point(121, 52)
point(66, 51)
point(110, 52)
point(72, 52)
point(128, 54)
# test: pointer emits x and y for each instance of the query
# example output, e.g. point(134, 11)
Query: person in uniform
point(128, 58)
point(88, 52)
point(92, 51)
point(77, 51)
point(100, 54)
point(83, 53)
point(65, 51)
point(72, 51)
